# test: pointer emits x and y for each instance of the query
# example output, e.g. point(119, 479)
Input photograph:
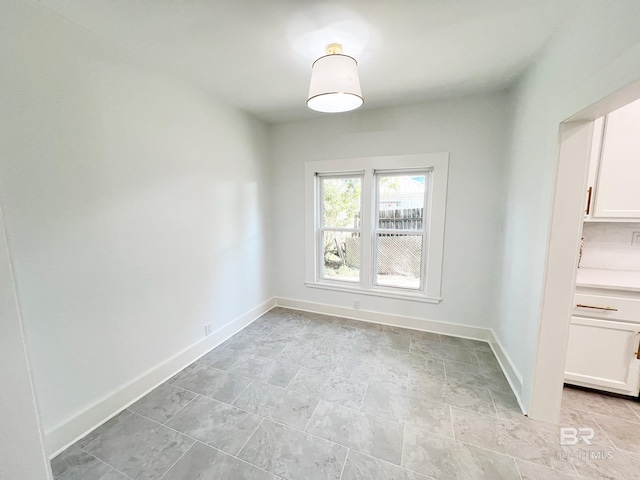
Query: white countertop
point(609, 279)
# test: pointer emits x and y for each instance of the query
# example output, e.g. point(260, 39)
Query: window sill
point(374, 293)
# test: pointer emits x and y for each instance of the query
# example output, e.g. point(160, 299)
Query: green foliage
point(341, 201)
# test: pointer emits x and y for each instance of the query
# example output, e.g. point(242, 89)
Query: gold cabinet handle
point(638, 352)
point(609, 309)
point(589, 200)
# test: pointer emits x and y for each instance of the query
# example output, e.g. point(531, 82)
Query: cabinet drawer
point(607, 307)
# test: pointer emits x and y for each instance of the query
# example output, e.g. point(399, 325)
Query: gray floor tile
point(221, 358)
point(242, 340)
point(419, 336)
point(261, 326)
point(330, 387)
point(302, 356)
point(348, 347)
point(393, 340)
point(211, 382)
point(284, 406)
point(605, 463)
point(506, 404)
point(217, 424)
point(624, 435)
point(634, 405)
point(76, 464)
point(523, 438)
point(327, 326)
point(466, 342)
point(405, 416)
point(205, 463)
point(264, 369)
point(426, 414)
point(139, 447)
point(112, 422)
point(114, 475)
point(477, 375)
point(488, 359)
point(445, 351)
point(457, 394)
point(411, 362)
point(296, 336)
point(581, 419)
point(284, 317)
point(444, 458)
point(162, 403)
point(597, 403)
point(258, 345)
point(365, 433)
point(365, 467)
point(292, 454)
point(374, 371)
point(532, 471)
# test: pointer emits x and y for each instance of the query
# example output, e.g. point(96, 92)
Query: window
point(376, 225)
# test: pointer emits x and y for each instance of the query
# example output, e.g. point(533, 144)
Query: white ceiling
point(257, 54)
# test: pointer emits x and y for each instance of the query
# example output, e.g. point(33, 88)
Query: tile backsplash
point(610, 246)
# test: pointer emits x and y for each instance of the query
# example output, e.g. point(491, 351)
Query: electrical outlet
point(635, 238)
point(208, 329)
point(356, 304)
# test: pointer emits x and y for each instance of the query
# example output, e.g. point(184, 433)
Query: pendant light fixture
point(335, 86)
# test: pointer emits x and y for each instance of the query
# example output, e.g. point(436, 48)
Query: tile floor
point(302, 396)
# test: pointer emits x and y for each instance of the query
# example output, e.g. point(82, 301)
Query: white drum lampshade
point(335, 85)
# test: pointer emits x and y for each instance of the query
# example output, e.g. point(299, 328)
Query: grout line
point(364, 396)
point(252, 465)
point(404, 428)
point(493, 403)
point(179, 458)
point(453, 428)
point(294, 376)
point(517, 468)
point(172, 416)
point(249, 437)
point(346, 457)
point(603, 430)
point(243, 390)
point(311, 416)
point(166, 426)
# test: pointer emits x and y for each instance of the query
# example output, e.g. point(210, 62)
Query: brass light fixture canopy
point(335, 85)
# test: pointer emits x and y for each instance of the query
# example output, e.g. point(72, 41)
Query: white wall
point(474, 130)
point(137, 208)
point(595, 53)
point(22, 454)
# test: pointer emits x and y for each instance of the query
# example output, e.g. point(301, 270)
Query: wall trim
point(458, 330)
point(413, 323)
point(514, 377)
point(65, 434)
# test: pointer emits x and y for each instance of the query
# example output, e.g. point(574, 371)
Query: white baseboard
point(457, 330)
point(514, 377)
point(62, 436)
point(454, 329)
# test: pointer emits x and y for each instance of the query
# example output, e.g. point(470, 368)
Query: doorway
point(575, 135)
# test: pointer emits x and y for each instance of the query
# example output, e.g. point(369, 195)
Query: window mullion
point(365, 225)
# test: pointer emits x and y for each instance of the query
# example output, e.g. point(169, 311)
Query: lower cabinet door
point(602, 354)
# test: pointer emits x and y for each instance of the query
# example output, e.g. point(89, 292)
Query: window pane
point(399, 260)
point(341, 202)
point(401, 201)
point(341, 256)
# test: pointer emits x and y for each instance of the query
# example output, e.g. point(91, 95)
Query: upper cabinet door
point(618, 192)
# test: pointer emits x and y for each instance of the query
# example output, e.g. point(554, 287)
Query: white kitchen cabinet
point(615, 191)
point(602, 354)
